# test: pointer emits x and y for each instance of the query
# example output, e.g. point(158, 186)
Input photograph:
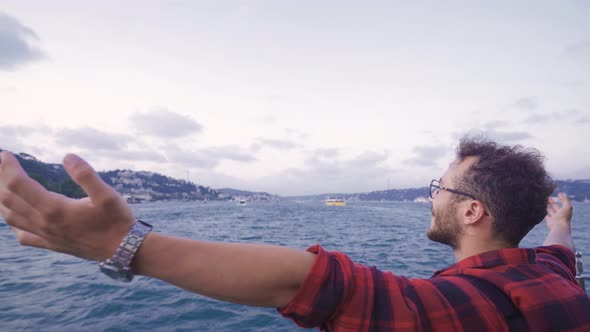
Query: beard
point(445, 228)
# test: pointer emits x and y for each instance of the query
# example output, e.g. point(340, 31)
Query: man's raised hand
point(559, 215)
point(90, 228)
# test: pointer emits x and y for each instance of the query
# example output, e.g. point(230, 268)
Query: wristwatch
point(118, 267)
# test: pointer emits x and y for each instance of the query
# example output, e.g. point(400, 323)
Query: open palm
point(559, 215)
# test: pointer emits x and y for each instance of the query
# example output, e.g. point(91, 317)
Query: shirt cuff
point(303, 308)
point(310, 285)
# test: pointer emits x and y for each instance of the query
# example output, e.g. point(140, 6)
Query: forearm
point(562, 235)
point(261, 275)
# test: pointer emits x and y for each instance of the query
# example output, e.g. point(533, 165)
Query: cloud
point(17, 44)
point(496, 124)
point(269, 119)
point(165, 124)
point(10, 139)
point(207, 158)
point(364, 172)
point(581, 48)
point(91, 139)
point(16, 131)
point(255, 147)
point(277, 144)
point(325, 162)
point(17, 138)
point(548, 117)
point(572, 173)
point(574, 84)
point(427, 156)
point(528, 103)
point(509, 136)
point(193, 159)
point(133, 155)
point(228, 153)
point(296, 133)
point(326, 153)
point(333, 167)
point(368, 159)
point(502, 137)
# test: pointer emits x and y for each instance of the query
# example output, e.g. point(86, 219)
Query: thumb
point(85, 176)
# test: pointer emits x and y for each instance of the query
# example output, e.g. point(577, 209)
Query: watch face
point(117, 273)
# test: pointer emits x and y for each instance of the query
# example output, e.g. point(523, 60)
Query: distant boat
point(335, 202)
point(241, 202)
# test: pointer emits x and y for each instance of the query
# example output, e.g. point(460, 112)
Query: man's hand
point(559, 216)
point(93, 227)
point(559, 222)
point(90, 228)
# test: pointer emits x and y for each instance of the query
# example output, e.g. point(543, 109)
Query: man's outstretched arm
point(253, 274)
point(559, 222)
point(92, 228)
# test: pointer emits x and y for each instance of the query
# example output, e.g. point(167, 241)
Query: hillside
point(578, 190)
point(142, 186)
point(145, 186)
point(135, 186)
point(51, 176)
point(248, 195)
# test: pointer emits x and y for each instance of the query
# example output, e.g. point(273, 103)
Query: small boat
point(241, 202)
point(335, 202)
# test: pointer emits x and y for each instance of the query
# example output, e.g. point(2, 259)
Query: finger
point(16, 220)
point(85, 176)
point(552, 206)
point(13, 202)
point(15, 180)
point(565, 200)
point(29, 239)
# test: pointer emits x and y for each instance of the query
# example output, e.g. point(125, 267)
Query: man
point(482, 206)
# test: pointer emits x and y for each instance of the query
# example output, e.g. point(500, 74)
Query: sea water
point(44, 291)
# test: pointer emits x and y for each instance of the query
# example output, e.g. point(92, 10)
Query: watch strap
point(130, 244)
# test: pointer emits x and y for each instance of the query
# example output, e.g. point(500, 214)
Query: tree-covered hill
point(139, 186)
point(135, 186)
point(51, 176)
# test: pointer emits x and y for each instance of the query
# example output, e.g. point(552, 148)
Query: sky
point(294, 97)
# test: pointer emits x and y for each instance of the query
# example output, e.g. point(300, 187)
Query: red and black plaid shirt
point(518, 289)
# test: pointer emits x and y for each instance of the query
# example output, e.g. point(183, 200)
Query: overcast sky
point(294, 97)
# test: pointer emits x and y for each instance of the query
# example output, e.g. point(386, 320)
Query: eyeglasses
point(435, 187)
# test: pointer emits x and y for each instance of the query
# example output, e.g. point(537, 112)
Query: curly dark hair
point(511, 181)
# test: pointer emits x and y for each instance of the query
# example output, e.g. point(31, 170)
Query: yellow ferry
point(335, 202)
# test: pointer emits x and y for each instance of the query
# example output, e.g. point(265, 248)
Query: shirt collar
point(508, 256)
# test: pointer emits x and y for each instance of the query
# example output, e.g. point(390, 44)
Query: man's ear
point(474, 212)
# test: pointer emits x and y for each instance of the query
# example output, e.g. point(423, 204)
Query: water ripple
point(40, 290)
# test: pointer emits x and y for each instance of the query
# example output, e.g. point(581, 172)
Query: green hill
point(51, 176)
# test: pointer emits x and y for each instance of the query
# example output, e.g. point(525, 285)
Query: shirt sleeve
point(339, 294)
point(325, 290)
point(559, 259)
